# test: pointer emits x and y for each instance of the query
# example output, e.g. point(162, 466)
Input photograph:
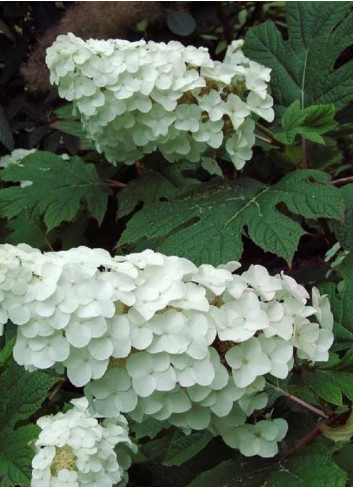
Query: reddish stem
point(317, 431)
point(342, 181)
point(114, 183)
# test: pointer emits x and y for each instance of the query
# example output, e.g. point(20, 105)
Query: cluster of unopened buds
point(138, 97)
point(156, 336)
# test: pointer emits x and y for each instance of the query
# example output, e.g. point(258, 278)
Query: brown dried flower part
point(222, 347)
point(117, 362)
point(217, 301)
point(98, 20)
point(187, 98)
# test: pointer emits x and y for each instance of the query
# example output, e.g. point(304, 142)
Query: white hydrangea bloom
point(74, 450)
point(323, 312)
point(248, 361)
point(155, 336)
point(260, 439)
point(177, 99)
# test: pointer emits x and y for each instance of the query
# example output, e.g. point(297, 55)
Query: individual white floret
point(306, 334)
point(239, 145)
point(239, 320)
point(322, 346)
point(247, 361)
point(150, 373)
point(258, 277)
point(291, 288)
point(323, 311)
point(236, 110)
point(113, 393)
point(226, 425)
point(260, 439)
point(171, 333)
point(214, 279)
point(280, 353)
point(196, 418)
point(190, 371)
point(82, 366)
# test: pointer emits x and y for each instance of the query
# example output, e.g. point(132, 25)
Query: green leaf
point(21, 395)
point(206, 226)
point(6, 351)
point(342, 305)
point(344, 459)
point(330, 385)
point(333, 379)
point(16, 455)
point(66, 112)
point(303, 66)
point(22, 229)
point(6, 137)
point(309, 123)
point(161, 182)
point(184, 447)
point(344, 230)
point(59, 188)
point(148, 428)
point(235, 472)
point(74, 128)
point(311, 466)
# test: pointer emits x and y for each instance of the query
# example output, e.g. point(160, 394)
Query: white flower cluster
point(137, 97)
point(154, 335)
point(74, 450)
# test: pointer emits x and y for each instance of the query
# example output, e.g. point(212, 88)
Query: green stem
point(304, 154)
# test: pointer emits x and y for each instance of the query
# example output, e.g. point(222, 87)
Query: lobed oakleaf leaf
point(57, 191)
point(303, 67)
point(309, 123)
point(341, 302)
point(206, 226)
point(297, 470)
point(344, 230)
point(16, 454)
point(312, 466)
point(22, 394)
point(159, 182)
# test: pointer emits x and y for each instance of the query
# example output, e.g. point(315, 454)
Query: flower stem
point(271, 138)
point(114, 183)
point(342, 181)
point(299, 401)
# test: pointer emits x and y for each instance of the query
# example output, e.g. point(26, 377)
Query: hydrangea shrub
point(164, 347)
